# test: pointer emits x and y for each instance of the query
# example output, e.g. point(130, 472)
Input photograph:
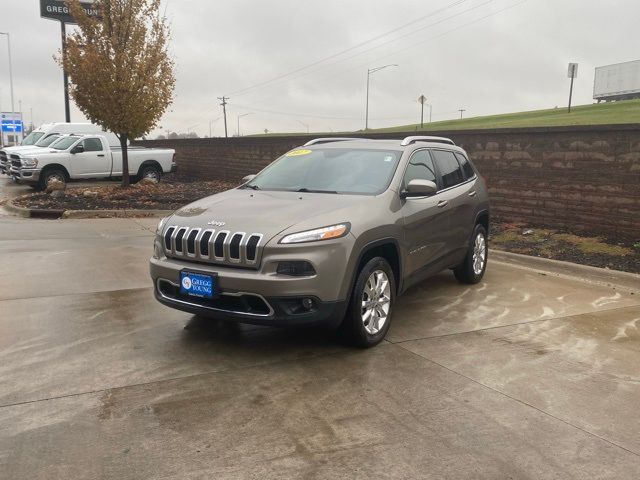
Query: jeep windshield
point(329, 170)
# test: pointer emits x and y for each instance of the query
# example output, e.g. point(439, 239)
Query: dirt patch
point(160, 196)
point(597, 251)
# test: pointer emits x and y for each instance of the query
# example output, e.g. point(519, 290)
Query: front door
point(94, 161)
point(425, 218)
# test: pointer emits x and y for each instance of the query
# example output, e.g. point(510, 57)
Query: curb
point(584, 273)
point(79, 214)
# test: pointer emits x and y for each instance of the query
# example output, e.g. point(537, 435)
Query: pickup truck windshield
point(32, 138)
point(64, 143)
point(329, 170)
point(45, 142)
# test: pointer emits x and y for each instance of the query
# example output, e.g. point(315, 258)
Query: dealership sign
point(58, 10)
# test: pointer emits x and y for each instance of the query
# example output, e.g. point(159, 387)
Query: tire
point(51, 174)
point(472, 269)
point(152, 172)
point(358, 320)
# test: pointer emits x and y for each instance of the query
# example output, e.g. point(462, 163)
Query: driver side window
point(420, 167)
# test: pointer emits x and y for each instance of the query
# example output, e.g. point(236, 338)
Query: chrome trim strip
point(230, 294)
point(183, 252)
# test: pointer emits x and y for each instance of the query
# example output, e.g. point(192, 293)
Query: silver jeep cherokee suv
point(331, 232)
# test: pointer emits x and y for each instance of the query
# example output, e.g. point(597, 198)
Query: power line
point(337, 54)
point(341, 60)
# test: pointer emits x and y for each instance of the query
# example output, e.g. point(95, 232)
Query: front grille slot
point(191, 241)
point(204, 243)
point(167, 238)
point(234, 247)
point(252, 247)
point(218, 246)
point(179, 238)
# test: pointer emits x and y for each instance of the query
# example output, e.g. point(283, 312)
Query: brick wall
point(578, 178)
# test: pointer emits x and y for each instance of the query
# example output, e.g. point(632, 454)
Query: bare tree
point(121, 76)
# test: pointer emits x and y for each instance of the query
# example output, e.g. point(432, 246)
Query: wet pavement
point(535, 373)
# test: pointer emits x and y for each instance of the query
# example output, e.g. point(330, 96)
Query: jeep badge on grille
point(216, 223)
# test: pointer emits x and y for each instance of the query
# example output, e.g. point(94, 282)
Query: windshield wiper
point(252, 187)
point(310, 190)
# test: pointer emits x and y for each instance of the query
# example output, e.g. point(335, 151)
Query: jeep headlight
point(29, 162)
point(323, 233)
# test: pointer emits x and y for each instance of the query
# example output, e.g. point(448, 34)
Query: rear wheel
point(150, 172)
point(472, 269)
point(371, 306)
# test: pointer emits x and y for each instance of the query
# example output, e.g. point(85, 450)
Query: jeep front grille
point(221, 247)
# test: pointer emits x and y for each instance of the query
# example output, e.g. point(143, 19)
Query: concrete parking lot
point(535, 373)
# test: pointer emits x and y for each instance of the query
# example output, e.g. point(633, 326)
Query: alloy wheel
point(376, 302)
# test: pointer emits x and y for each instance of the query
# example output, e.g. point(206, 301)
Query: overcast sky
point(486, 56)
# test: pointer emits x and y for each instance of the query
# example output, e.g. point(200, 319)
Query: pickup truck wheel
point(472, 269)
point(151, 172)
point(51, 175)
point(371, 306)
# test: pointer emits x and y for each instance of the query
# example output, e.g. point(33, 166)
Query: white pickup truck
point(76, 157)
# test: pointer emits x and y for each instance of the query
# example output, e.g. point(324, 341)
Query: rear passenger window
point(420, 167)
point(449, 168)
point(92, 145)
point(466, 166)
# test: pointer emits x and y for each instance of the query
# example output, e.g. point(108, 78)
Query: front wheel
point(371, 306)
point(52, 175)
point(472, 269)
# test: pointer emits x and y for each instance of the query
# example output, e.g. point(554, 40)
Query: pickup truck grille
point(15, 162)
point(3, 156)
point(219, 247)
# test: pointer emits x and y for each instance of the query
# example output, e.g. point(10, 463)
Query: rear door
point(458, 191)
point(93, 162)
point(425, 218)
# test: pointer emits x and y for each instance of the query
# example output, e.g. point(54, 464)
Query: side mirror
point(77, 149)
point(419, 188)
point(248, 178)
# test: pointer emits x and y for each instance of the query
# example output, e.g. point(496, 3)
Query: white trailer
point(620, 81)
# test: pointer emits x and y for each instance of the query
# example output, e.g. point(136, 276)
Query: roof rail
point(410, 140)
point(317, 141)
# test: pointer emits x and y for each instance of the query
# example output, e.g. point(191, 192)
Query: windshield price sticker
point(297, 153)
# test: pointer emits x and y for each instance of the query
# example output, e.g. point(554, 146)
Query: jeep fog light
point(296, 269)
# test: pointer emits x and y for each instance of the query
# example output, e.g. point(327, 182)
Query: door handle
point(101, 154)
point(442, 203)
point(472, 193)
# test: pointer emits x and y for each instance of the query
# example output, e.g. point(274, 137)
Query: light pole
point(239, 117)
point(13, 111)
point(369, 72)
point(191, 128)
point(304, 125)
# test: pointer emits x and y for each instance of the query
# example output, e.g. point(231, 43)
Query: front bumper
point(244, 307)
point(29, 175)
point(262, 296)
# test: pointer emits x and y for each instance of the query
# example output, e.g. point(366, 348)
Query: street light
point(239, 117)
point(13, 110)
point(304, 125)
point(369, 72)
point(191, 128)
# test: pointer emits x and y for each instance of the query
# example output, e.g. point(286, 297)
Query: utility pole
point(224, 112)
point(13, 110)
point(572, 74)
point(462, 110)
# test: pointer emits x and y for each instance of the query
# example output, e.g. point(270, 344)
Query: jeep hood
point(268, 212)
